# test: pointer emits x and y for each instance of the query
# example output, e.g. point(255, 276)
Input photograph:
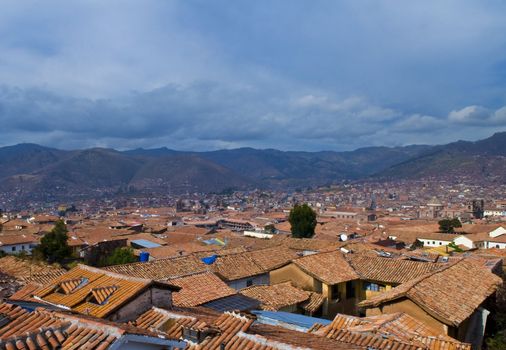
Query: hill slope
point(32, 170)
point(483, 160)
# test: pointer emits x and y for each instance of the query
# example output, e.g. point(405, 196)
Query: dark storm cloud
point(200, 75)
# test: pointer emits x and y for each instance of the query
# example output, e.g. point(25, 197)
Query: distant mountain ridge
point(30, 168)
point(483, 160)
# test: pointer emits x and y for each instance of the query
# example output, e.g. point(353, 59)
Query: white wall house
point(466, 242)
point(494, 212)
point(497, 232)
point(433, 242)
point(494, 244)
point(14, 244)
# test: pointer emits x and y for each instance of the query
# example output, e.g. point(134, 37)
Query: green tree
point(54, 246)
point(455, 247)
point(121, 256)
point(302, 220)
point(449, 225)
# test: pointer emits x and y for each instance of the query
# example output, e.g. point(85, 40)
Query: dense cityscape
point(257, 175)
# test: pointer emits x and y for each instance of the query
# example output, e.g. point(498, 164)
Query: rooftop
point(445, 294)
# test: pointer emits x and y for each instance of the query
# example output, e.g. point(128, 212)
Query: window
point(71, 285)
point(350, 289)
point(101, 295)
point(249, 283)
point(433, 242)
point(335, 292)
point(374, 287)
point(22, 247)
point(440, 243)
point(13, 249)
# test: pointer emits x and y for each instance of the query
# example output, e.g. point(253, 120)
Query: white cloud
point(478, 116)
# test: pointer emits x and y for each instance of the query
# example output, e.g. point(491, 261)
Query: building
point(103, 294)
point(388, 331)
point(45, 329)
point(436, 239)
point(285, 297)
point(18, 243)
point(442, 300)
point(328, 274)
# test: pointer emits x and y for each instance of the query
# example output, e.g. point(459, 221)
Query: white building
point(15, 244)
point(436, 239)
point(494, 212)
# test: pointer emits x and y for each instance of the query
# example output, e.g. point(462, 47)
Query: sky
point(293, 75)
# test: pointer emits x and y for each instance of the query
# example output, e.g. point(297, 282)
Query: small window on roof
point(69, 286)
point(101, 295)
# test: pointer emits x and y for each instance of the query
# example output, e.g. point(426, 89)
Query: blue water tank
point(144, 256)
point(209, 260)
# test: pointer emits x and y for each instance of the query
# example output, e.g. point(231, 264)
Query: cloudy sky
point(292, 75)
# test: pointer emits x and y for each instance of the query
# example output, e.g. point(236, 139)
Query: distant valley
point(29, 169)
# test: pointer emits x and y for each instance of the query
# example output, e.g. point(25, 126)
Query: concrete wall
point(140, 304)
point(18, 248)
point(407, 306)
point(433, 242)
point(466, 242)
point(299, 278)
point(491, 244)
point(161, 298)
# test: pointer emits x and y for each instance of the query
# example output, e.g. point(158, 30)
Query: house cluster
point(495, 238)
point(234, 278)
point(299, 294)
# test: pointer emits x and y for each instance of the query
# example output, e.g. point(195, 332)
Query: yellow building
point(452, 300)
point(344, 280)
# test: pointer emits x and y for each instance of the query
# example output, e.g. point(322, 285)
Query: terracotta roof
point(449, 237)
point(228, 324)
point(271, 258)
point(91, 291)
point(236, 266)
point(450, 295)
point(314, 302)
point(390, 270)
point(387, 331)
point(174, 250)
point(234, 331)
point(277, 296)
point(28, 271)
point(301, 244)
point(251, 263)
point(161, 269)
point(12, 239)
point(171, 322)
point(43, 329)
point(264, 336)
point(199, 288)
point(330, 267)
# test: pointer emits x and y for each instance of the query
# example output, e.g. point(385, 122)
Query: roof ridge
point(114, 274)
point(171, 314)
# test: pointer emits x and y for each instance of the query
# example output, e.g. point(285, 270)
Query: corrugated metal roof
point(288, 320)
point(144, 243)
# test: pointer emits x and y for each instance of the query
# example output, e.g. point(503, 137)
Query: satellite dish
point(343, 237)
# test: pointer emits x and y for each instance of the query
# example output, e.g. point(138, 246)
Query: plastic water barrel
point(144, 256)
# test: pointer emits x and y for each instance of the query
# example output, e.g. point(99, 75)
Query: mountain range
point(31, 168)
